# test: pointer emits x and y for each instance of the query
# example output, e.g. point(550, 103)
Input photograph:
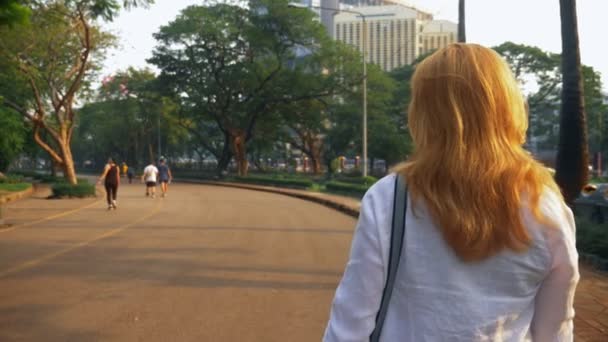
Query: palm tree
point(572, 154)
point(462, 36)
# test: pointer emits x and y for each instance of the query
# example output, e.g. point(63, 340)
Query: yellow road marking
point(38, 261)
point(52, 217)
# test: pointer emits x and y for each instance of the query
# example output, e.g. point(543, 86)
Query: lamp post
point(364, 85)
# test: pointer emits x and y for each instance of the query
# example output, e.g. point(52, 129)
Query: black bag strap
point(397, 234)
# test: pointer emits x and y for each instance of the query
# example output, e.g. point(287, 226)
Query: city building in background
point(396, 34)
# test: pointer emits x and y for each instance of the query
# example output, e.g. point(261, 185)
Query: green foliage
point(349, 188)
point(80, 190)
point(11, 179)
point(13, 12)
point(273, 181)
point(365, 181)
point(592, 241)
point(12, 137)
point(14, 187)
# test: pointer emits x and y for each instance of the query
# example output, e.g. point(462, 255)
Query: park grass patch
point(14, 187)
point(67, 190)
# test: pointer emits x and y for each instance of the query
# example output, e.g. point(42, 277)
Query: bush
point(302, 183)
point(350, 188)
point(367, 181)
point(80, 190)
point(592, 238)
point(11, 179)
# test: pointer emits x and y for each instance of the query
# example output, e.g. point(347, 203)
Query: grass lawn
point(5, 188)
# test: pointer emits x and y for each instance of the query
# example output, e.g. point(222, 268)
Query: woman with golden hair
point(489, 250)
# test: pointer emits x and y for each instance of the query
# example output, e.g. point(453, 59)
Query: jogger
point(111, 175)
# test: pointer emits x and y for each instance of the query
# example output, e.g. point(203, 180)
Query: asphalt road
point(204, 264)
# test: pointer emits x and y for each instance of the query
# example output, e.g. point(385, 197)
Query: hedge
point(12, 179)
point(80, 190)
point(592, 242)
point(367, 181)
point(347, 187)
point(291, 183)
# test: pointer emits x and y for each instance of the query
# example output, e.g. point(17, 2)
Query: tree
point(462, 38)
point(12, 137)
point(230, 67)
point(572, 154)
point(123, 121)
point(12, 12)
point(48, 62)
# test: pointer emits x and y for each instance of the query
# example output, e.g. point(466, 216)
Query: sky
point(489, 22)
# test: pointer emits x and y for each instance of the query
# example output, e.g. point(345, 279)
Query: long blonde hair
point(468, 121)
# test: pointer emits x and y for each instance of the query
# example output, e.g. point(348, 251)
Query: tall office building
point(396, 34)
point(328, 12)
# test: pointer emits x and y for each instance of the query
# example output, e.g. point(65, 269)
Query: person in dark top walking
point(165, 176)
point(111, 175)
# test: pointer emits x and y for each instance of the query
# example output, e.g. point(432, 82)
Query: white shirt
point(150, 173)
point(438, 297)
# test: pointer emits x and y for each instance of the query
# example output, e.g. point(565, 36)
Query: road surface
point(204, 264)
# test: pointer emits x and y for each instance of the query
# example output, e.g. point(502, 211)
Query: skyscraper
point(396, 35)
point(327, 14)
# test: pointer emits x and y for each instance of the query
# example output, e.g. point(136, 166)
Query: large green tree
point(12, 137)
point(45, 64)
point(232, 66)
point(125, 121)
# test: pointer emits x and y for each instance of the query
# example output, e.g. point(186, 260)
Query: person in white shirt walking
point(489, 250)
point(150, 176)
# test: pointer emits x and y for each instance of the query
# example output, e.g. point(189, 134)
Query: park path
point(205, 264)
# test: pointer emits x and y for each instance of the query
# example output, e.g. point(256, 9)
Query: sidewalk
point(591, 301)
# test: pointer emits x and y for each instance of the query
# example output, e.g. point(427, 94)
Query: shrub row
point(592, 241)
point(355, 189)
point(11, 179)
point(290, 183)
point(367, 181)
point(82, 189)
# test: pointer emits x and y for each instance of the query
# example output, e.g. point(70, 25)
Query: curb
point(17, 195)
point(301, 194)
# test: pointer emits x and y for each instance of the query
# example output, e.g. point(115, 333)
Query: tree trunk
point(462, 36)
point(69, 172)
point(151, 153)
point(224, 160)
point(572, 154)
point(239, 148)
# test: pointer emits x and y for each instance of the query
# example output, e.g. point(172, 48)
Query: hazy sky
point(489, 22)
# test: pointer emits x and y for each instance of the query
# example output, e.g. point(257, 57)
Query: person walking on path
point(150, 176)
point(165, 176)
point(130, 175)
point(125, 169)
point(488, 250)
point(111, 175)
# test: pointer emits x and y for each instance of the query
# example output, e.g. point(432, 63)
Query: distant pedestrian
point(111, 175)
point(165, 176)
point(125, 169)
point(150, 177)
point(130, 175)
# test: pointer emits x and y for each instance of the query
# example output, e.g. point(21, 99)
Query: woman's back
point(438, 297)
point(490, 251)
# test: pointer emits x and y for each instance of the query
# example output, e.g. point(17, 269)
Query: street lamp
point(364, 51)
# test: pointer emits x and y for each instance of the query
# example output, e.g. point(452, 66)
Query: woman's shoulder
point(382, 188)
